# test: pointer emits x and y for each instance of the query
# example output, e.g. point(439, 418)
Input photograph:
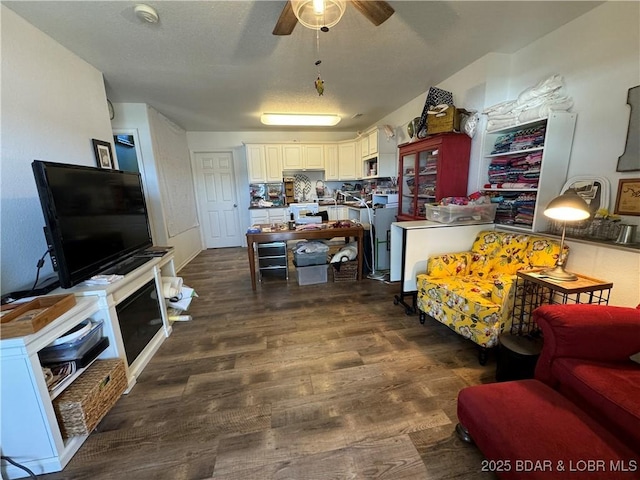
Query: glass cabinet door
point(408, 185)
point(426, 180)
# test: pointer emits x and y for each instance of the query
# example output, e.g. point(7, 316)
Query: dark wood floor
point(316, 382)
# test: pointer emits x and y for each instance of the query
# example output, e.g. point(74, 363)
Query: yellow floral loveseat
point(471, 292)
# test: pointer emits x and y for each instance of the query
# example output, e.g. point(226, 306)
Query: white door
point(217, 199)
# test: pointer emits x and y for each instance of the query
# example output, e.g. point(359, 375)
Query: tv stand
point(127, 266)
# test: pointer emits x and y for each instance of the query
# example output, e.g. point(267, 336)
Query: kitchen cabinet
point(331, 159)
point(256, 166)
point(264, 163)
point(526, 167)
point(273, 162)
point(303, 157)
point(335, 212)
point(268, 216)
point(430, 169)
point(378, 154)
point(292, 157)
point(313, 157)
point(348, 161)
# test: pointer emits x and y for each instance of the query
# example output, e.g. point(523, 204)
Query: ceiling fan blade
point(377, 12)
point(287, 21)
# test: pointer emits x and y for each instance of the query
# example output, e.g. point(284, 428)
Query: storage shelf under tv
point(30, 429)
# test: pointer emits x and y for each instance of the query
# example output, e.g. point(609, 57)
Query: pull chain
point(319, 83)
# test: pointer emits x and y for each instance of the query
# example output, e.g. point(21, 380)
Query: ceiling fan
point(377, 12)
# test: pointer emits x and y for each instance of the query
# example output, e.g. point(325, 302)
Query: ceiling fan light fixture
point(300, 120)
point(318, 14)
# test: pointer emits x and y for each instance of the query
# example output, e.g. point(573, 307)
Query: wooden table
point(283, 235)
point(533, 289)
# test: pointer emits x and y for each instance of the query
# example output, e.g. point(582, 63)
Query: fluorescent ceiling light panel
point(295, 120)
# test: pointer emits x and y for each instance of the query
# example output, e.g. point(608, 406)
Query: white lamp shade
point(568, 207)
point(316, 14)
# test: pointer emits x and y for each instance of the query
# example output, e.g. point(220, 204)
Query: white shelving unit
point(29, 431)
point(556, 152)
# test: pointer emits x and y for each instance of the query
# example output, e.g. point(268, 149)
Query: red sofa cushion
point(526, 420)
point(609, 392)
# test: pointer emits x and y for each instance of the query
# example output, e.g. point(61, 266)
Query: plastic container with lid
point(73, 344)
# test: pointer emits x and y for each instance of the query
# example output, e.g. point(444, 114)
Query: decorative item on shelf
point(628, 197)
point(435, 96)
point(568, 207)
point(445, 118)
point(630, 159)
point(102, 151)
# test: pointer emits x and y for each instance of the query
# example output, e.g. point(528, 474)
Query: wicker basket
point(81, 406)
point(597, 228)
point(348, 271)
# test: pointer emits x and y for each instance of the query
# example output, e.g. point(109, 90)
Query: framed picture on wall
point(102, 151)
point(628, 198)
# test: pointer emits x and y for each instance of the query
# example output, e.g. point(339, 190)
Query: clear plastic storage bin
point(312, 275)
point(461, 213)
point(79, 342)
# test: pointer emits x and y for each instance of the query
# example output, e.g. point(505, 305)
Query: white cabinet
point(526, 167)
point(264, 163)
point(303, 157)
point(348, 161)
point(256, 166)
point(29, 431)
point(331, 165)
point(313, 157)
point(268, 216)
point(379, 154)
point(335, 212)
point(273, 162)
point(292, 157)
point(374, 142)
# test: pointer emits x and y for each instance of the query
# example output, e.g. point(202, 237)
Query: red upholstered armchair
point(586, 358)
point(582, 405)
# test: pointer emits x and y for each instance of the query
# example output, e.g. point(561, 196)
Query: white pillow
point(349, 252)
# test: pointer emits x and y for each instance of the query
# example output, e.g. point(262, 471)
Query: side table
point(518, 351)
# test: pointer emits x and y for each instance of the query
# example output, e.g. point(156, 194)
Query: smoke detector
point(146, 13)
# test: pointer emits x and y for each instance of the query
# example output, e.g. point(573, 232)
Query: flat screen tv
point(95, 218)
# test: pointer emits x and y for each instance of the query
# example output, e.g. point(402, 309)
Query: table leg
point(360, 254)
point(252, 265)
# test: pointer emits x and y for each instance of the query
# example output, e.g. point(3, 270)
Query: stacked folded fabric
point(521, 171)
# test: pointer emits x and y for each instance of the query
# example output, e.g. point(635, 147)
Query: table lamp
point(568, 207)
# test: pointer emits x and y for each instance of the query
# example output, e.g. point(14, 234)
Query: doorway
point(217, 199)
point(129, 158)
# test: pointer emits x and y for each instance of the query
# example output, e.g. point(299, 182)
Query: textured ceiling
point(215, 66)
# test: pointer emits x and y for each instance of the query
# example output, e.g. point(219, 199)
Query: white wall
point(598, 54)
point(149, 124)
point(53, 104)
